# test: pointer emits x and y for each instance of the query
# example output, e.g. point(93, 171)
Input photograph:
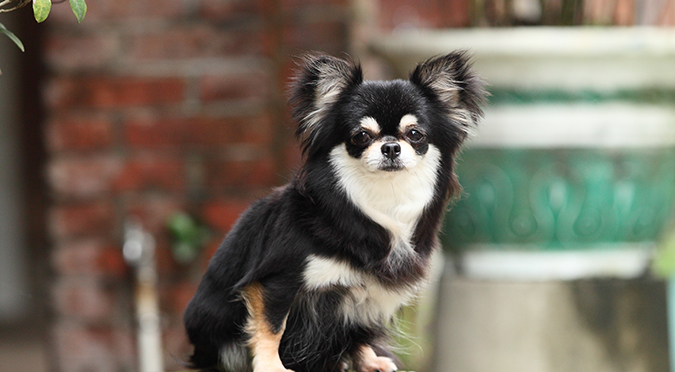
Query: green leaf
point(41, 9)
point(189, 237)
point(79, 7)
point(11, 36)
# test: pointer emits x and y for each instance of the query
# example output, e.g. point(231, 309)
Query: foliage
point(188, 237)
point(41, 9)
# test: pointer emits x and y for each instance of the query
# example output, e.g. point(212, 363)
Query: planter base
point(600, 325)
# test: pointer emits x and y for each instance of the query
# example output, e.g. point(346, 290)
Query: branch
point(20, 4)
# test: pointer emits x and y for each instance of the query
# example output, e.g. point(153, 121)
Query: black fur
point(312, 215)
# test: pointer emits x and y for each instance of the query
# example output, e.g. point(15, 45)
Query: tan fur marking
point(407, 121)
point(263, 342)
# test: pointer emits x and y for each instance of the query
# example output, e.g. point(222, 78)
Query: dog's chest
point(364, 300)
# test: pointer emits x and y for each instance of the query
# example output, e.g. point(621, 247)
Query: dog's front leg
point(266, 324)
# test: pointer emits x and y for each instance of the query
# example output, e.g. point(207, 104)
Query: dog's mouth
point(391, 165)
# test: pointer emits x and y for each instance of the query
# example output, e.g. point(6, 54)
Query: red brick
point(81, 219)
point(222, 214)
point(154, 211)
point(124, 348)
point(79, 133)
point(107, 11)
point(197, 131)
point(114, 92)
point(89, 258)
point(253, 86)
point(329, 36)
point(84, 177)
point(624, 14)
point(166, 264)
point(152, 172)
point(87, 300)
point(424, 14)
point(196, 41)
point(292, 157)
point(178, 295)
point(81, 51)
point(241, 174)
point(289, 6)
point(230, 9)
point(80, 348)
point(210, 249)
point(175, 340)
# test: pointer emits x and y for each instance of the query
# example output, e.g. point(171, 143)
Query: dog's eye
point(361, 138)
point(414, 135)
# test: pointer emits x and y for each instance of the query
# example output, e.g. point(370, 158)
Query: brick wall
point(155, 107)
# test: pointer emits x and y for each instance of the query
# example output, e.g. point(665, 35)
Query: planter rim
point(609, 125)
point(533, 41)
point(594, 59)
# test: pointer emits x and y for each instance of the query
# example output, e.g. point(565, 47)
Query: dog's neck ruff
point(394, 200)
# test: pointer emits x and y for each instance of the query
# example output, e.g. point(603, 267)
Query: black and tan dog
point(310, 277)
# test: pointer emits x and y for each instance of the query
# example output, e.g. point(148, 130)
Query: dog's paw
point(343, 366)
point(377, 364)
point(273, 369)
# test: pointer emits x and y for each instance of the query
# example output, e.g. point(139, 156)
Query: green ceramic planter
point(564, 190)
point(571, 174)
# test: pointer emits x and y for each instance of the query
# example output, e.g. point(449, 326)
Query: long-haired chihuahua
point(310, 277)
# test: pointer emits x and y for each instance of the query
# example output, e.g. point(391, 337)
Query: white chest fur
point(367, 301)
point(394, 200)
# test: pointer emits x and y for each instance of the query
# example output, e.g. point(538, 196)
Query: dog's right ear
point(316, 87)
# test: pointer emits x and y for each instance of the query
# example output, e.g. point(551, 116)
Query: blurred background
point(170, 116)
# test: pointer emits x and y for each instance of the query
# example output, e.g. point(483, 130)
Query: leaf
point(11, 36)
point(41, 9)
point(79, 7)
point(189, 237)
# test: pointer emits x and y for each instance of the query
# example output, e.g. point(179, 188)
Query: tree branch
point(21, 3)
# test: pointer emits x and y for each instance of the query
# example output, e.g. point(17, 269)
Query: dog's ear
point(316, 87)
point(449, 80)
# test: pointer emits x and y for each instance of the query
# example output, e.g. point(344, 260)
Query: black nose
point(391, 150)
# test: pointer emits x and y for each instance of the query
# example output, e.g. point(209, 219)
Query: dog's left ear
point(317, 86)
point(449, 80)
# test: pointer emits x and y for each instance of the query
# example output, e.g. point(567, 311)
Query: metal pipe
point(139, 252)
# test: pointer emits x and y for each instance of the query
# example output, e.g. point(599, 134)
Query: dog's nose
point(391, 150)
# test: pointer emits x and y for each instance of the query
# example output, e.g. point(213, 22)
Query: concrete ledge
point(595, 325)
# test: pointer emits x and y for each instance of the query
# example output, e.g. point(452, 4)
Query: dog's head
point(385, 126)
